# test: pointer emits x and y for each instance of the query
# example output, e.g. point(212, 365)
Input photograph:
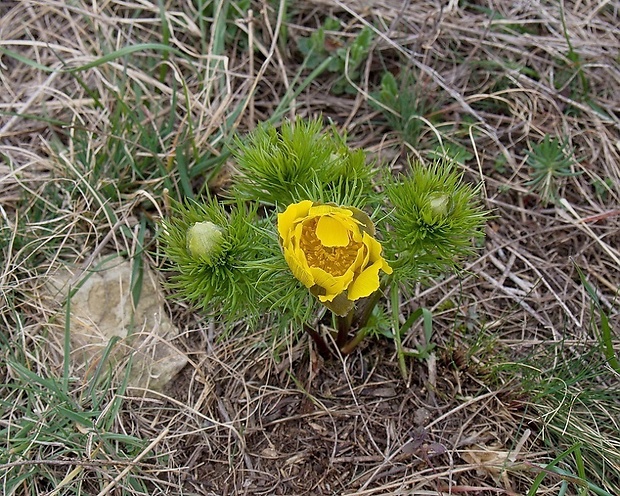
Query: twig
point(146, 450)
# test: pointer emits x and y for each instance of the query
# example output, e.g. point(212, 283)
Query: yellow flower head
point(332, 251)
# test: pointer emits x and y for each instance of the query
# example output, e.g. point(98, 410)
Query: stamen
point(333, 260)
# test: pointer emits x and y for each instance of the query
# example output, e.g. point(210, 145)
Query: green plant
point(213, 251)
point(231, 261)
point(404, 104)
point(300, 160)
point(549, 161)
point(605, 334)
point(578, 480)
point(434, 220)
point(344, 58)
point(573, 400)
point(59, 434)
point(602, 187)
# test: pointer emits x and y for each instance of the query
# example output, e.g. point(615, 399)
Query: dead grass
point(246, 419)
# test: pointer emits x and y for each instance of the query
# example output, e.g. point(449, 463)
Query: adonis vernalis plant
point(328, 236)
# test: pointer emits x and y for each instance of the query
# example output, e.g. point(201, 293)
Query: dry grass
point(87, 154)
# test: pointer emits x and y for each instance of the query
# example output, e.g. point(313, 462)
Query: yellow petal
point(374, 248)
point(324, 209)
point(298, 268)
point(331, 231)
point(385, 267)
point(333, 286)
point(366, 283)
point(361, 260)
point(293, 212)
point(295, 234)
point(352, 225)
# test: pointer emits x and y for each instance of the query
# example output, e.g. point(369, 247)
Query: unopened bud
point(440, 205)
point(204, 241)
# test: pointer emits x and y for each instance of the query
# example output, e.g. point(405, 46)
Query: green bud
point(440, 204)
point(205, 241)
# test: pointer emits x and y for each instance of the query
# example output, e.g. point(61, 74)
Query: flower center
point(333, 260)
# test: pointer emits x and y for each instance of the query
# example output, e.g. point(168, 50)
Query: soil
point(341, 426)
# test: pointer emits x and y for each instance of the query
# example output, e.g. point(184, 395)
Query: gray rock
point(102, 308)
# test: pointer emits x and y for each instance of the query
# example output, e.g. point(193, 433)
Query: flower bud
point(204, 241)
point(440, 204)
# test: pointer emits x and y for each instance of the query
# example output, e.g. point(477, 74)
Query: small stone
point(421, 416)
point(102, 308)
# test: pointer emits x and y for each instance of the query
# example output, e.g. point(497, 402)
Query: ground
point(109, 109)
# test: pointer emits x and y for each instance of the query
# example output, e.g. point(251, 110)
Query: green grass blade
point(95, 380)
point(165, 28)
point(137, 266)
point(67, 346)
point(26, 60)
point(291, 93)
point(606, 335)
point(394, 297)
point(122, 52)
point(547, 468)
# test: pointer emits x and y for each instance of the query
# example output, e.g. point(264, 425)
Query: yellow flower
point(332, 251)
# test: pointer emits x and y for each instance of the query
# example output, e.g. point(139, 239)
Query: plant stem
point(321, 345)
point(344, 326)
point(361, 320)
point(371, 303)
point(397, 337)
point(351, 345)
